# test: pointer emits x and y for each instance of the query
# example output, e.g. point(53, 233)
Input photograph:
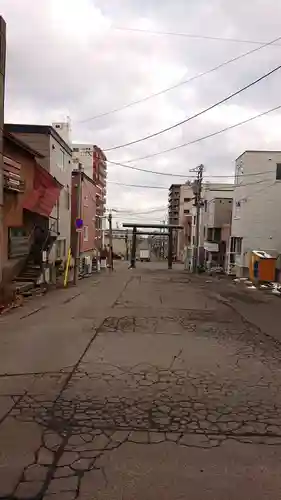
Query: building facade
point(185, 219)
point(83, 193)
point(2, 92)
point(57, 160)
point(256, 208)
point(94, 164)
point(30, 194)
point(174, 213)
point(214, 224)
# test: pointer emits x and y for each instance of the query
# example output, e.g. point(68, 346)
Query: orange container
point(262, 266)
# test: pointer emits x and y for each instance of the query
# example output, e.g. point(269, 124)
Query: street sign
point(79, 223)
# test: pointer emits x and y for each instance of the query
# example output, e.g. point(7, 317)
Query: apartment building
point(214, 224)
point(185, 219)
point(57, 160)
point(83, 192)
point(256, 208)
point(94, 164)
point(174, 212)
point(2, 90)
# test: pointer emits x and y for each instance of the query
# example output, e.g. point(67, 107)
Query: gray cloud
point(67, 58)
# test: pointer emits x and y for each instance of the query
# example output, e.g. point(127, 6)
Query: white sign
point(211, 247)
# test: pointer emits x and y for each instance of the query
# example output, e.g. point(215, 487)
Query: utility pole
point(134, 248)
point(78, 230)
point(127, 245)
point(197, 190)
point(110, 241)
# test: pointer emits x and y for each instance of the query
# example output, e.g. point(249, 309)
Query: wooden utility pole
point(197, 189)
point(110, 241)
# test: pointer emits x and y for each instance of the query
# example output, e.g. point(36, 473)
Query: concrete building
point(93, 161)
point(30, 194)
point(2, 92)
point(185, 219)
point(87, 211)
point(215, 220)
point(256, 208)
point(174, 212)
point(57, 160)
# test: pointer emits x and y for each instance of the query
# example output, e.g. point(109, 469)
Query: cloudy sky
point(84, 59)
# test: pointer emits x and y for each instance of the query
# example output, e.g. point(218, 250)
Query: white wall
point(85, 156)
point(257, 203)
point(61, 168)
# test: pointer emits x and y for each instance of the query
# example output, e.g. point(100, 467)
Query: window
point(194, 220)
point(86, 233)
point(186, 212)
point(61, 159)
point(205, 205)
point(187, 200)
point(217, 234)
point(210, 234)
point(236, 245)
point(75, 150)
point(278, 171)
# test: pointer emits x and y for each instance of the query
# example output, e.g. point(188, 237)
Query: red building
point(99, 176)
point(83, 205)
point(30, 194)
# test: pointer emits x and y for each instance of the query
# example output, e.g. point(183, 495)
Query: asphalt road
point(138, 385)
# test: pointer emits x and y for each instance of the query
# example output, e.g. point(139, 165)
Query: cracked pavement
point(139, 385)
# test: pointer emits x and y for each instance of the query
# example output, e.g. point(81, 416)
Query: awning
point(45, 194)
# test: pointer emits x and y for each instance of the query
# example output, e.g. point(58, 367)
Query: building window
point(61, 160)
point(217, 234)
point(205, 205)
point(194, 220)
point(186, 212)
point(278, 171)
point(210, 234)
point(187, 200)
point(86, 233)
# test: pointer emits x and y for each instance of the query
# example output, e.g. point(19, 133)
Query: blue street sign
point(79, 223)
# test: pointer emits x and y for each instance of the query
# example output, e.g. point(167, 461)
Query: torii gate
point(169, 227)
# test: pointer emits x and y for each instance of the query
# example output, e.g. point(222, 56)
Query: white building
point(185, 213)
point(215, 220)
point(256, 207)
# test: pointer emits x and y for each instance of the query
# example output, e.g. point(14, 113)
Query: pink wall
point(88, 210)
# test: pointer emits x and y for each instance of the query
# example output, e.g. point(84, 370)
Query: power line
point(181, 176)
point(137, 185)
point(188, 35)
point(180, 83)
point(155, 134)
point(155, 209)
point(200, 139)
